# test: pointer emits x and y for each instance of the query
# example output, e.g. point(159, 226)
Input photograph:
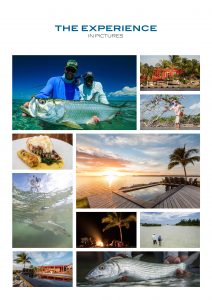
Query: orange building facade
point(162, 74)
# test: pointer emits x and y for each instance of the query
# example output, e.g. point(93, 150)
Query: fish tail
point(123, 104)
point(191, 259)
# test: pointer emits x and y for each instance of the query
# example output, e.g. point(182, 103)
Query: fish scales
point(135, 270)
point(69, 112)
point(83, 111)
point(139, 270)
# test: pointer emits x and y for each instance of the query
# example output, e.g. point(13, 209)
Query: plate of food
point(41, 153)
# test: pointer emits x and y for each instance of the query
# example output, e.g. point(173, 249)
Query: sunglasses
point(71, 69)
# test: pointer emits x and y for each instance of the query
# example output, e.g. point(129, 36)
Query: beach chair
point(190, 181)
point(194, 182)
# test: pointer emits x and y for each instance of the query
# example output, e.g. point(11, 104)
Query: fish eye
point(42, 101)
point(101, 267)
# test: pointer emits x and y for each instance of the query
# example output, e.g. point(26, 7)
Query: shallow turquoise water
point(125, 121)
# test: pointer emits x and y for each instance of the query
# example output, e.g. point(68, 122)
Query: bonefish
point(135, 270)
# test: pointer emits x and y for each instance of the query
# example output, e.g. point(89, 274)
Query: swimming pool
point(148, 193)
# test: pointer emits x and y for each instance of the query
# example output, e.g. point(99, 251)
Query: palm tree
point(175, 60)
point(115, 220)
point(183, 157)
point(22, 258)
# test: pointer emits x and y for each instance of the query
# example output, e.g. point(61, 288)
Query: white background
point(27, 27)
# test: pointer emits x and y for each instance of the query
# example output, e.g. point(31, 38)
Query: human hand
point(177, 260)
point(95, 119)
point(26, 104)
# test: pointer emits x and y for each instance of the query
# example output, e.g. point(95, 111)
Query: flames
point(99, 243)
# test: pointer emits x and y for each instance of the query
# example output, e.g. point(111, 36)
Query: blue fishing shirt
point(60, 88)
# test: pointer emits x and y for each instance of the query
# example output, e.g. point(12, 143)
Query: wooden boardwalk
point(183, 196)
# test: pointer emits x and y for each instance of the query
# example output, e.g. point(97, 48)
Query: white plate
point(62, 148)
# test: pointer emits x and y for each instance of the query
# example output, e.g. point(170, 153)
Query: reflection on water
point(42, 219)
point(126, 120)
point(172, 236)
point(56, 283)
point(193, 280)
point(148, 193)
point(91, 185)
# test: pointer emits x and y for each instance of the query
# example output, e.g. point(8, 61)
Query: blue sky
point(137, 154)
point(167, 218)
point(190, 102)
point(116, 73)
point(49, 181)
point(154, 59)
point(45, 258)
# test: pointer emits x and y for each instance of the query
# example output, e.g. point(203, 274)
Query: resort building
point(160, 74)
point(58, 269)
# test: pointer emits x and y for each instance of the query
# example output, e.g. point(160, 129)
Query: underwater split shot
point(42, 269)
point(138, 171)
point(42, 210)
point(138, 269)
point(170, 230)
point(89, 92)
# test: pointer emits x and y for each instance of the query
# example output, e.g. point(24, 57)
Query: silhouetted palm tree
point(183, 157)
point(115, 219)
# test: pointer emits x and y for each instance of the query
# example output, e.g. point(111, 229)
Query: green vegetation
point(189, 222)
point(115, 219)
point(22, 258)
point(183, 157)
point(170, 121)
point(149, 224)
point(190, 68)
point(82, 203)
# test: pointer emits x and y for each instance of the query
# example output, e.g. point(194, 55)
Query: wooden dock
point(182, 196)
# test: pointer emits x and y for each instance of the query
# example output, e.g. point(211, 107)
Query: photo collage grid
point(106, 170)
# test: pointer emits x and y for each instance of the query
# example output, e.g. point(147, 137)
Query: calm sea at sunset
point(91, 185)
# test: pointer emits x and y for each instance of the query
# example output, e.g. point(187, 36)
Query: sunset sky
point(134, 154)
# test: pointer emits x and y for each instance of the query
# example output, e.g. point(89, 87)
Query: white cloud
point(126, 91)
point(164, 217)
point(195, 106)
point(94, 151)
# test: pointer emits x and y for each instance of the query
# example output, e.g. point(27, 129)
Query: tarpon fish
point(69, 112)
point(134, 270)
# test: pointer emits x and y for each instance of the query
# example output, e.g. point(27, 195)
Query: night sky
point(30, 73)
point(89, 224)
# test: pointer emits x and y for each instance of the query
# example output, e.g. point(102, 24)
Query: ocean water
point(42, 220)
point(172, 236)
point(192, 281)
point(92, 185)
point(125, 121)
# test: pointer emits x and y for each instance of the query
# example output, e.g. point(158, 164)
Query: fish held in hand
point(69, 112)
point(134, 270)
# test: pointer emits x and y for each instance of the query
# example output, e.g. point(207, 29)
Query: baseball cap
point(88, 75)
point(72, 63)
